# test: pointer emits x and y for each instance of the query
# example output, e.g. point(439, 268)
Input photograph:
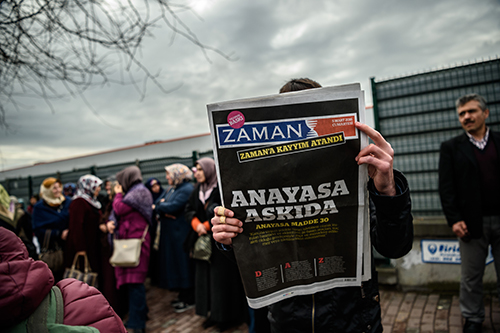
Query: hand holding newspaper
point(292, 173)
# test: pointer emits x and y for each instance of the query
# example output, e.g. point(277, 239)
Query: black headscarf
point(149, 184)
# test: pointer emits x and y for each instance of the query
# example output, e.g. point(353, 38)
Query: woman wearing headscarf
point(51, 217)
point(117, 298)
point(132, 206)
point(176, 271)
point(16, 220)
point(157, 191)
point(218, 286)
point(154, 186)
point(6, 210)
point(84, 219)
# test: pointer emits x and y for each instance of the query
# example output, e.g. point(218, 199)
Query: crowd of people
point(79, 222)
point(187, 243)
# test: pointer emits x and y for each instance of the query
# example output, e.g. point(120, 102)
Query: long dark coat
point(84, 235)
point(176, 270)
point(218, 284)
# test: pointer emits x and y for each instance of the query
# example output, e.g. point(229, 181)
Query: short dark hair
point(471, 97)
point(299, 84)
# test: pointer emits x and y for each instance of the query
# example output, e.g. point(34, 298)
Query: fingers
point(226, 221)
point(225, 227)
point(373, 155)
point(460, 229)
point(225, 238)
point(464, 229)
point(379, 158)
point(221, 211)
point(380, 150)
point(377, 138)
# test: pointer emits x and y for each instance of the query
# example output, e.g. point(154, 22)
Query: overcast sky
point(332, 41)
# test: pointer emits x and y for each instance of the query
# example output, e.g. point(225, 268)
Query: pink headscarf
point(208, 166)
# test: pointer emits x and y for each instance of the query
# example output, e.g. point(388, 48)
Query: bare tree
point(76, 43)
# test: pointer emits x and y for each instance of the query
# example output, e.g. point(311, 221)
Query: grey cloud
point(341, 42)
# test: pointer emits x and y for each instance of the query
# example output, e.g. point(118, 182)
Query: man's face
point(472, 117)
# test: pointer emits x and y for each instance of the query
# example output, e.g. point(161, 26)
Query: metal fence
point(25, 187)
point(414, 113)
point(417, 112)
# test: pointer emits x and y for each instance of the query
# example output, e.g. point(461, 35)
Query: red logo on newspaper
point(340, 124)
point(258, 273)
point(287, 265)
point(321, 260)
point(236, 119)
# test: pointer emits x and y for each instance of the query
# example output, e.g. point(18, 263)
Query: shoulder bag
point(127, 252)
point(52, 257)
point(203, 248)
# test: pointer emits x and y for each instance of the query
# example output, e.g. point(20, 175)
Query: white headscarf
point(85, 188)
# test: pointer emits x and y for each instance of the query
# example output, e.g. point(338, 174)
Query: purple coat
point(132, 224)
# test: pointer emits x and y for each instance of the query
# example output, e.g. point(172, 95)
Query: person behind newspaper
point(344, 309)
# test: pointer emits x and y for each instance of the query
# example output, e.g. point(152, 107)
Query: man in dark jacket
point(346, 309)
point(469, 179)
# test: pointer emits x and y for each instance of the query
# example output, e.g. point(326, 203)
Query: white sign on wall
point(441, 251)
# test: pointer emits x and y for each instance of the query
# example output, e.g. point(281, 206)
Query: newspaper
point(286, 167)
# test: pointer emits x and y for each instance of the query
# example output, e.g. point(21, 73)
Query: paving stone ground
point(409, 312)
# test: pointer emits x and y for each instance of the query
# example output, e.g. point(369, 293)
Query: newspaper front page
point(286, 167)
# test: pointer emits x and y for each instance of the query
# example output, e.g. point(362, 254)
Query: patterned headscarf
point(208, 166)
point(85, 188)
point(179, 173)
point(4, 197)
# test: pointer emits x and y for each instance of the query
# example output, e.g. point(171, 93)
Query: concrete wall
point(413, 274)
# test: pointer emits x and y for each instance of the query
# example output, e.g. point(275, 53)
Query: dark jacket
point(220, 274)
point(175, 268)
point(460, 182)
point(84, 234)
point(56, 219)
point(353, 309)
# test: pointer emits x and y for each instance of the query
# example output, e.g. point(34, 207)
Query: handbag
point(86, 276)
point(127, 252)
point(203, 248)
point(52, 257)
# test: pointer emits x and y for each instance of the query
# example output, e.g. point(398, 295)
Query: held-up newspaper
point(286, 167)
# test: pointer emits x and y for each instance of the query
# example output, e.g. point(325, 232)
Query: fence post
point(375, 104)
point(30, 186)
point(195, 156)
